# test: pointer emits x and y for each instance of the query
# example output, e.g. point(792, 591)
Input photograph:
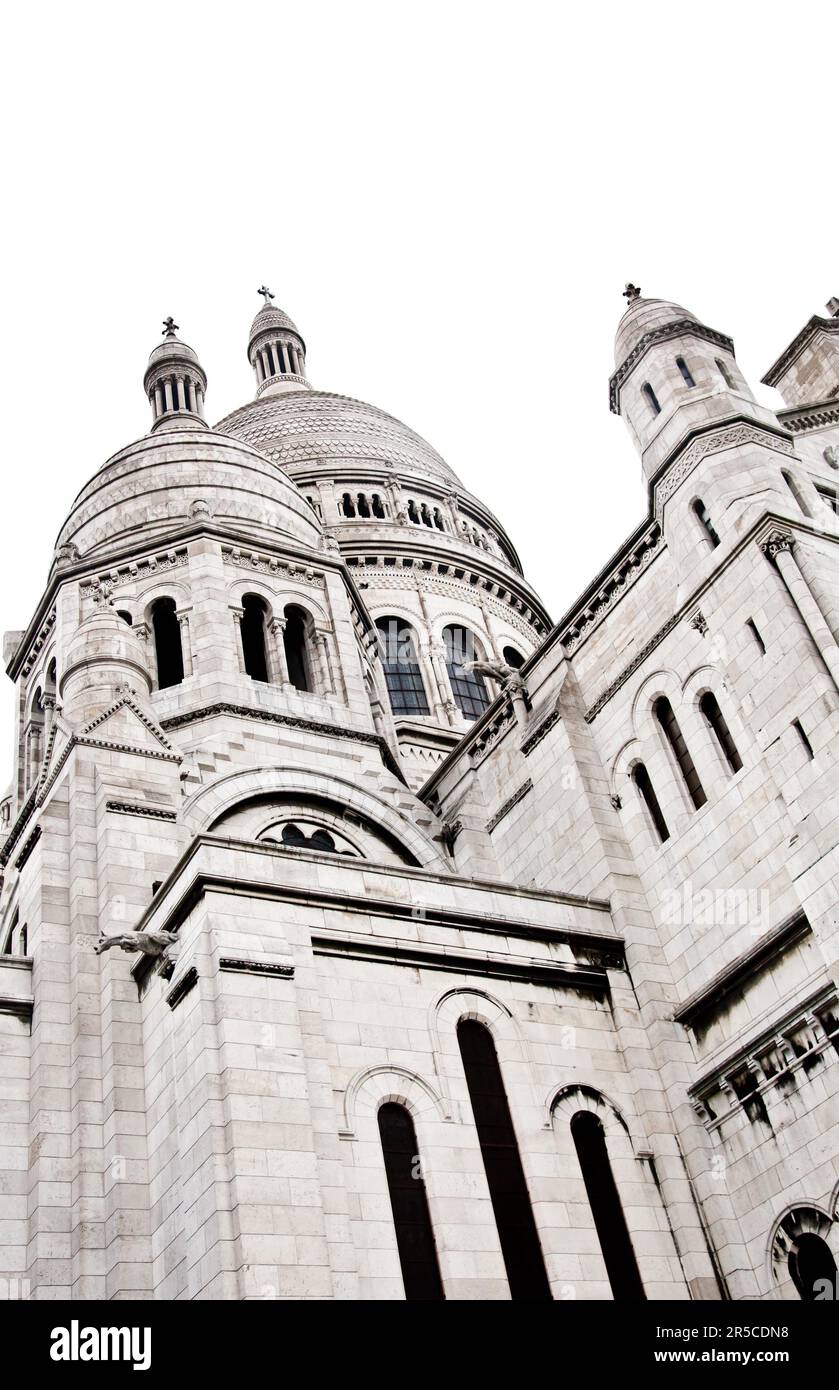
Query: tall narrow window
point(167, 643)
point(670, 727)
point(500, 1152)
point(701, 513)
point(646, 791)
point(296, 647)
point(254, 646)
point(468, 688)
point(397, 649)
point(652, 398)
point(811, 1260)
point(609, 1219)
point(686, 372)
point(716, 719)
point(805, 742)
point(725, 373)
point(409, 1203)
point(754, 630)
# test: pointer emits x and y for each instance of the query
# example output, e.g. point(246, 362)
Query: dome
point(165, 480)
point(642, 317)
point(309, 426)
point(268, 319)
point(104, 638)
point(172, 350)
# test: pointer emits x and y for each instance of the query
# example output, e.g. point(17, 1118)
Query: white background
point(447, 198)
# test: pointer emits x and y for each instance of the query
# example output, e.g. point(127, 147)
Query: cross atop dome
point(266, 294)
point(631, 292)
point(170, 328)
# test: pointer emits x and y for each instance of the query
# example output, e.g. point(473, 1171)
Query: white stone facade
point(622, 861)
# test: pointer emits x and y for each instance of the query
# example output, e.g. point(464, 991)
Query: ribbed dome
point(173, 350)
point(307, 426)
point(164, 480)
point(642, 317)
point(268, 319)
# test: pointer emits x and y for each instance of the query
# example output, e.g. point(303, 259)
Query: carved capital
point(779, 542)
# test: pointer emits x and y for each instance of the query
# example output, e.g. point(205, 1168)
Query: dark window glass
point(829, 497)
point(652, 398)
point(609, 1220)
point(725, 373)
point(409, 1203)
point(167, 643)
point(715, 717)
point(686, 372)
point(641, 778)
point(705, 522)
point(753, 628)
point(253, 637)
point(505, 1176)
point(805, 742)
point(513, 658)
point(296, 647)
point(402, 673)
point(810, 1260)
point(670, 726)
point(468, 688)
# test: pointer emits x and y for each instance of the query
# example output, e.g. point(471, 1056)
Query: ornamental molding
point(427, 577)
point(810, 330)
point(241, 965)
point(688, 456)
point(541, 731)
point(616, 582)
point(37, 646)
point(182, 988)
point(256, 561)
point(101, 586)
point(18, 828)
point(777, 543)
point(136, 808)
point(621, 679)
point(28, 847)
point(810, 417)
point(678, 329)
point(506, 808)
point(180, 721)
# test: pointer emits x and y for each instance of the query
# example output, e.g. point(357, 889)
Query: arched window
point(705, 522)
point(646, 791)
point(347, 504)
point(468, 688)
point(513, 658)
point(254, 642)
point(409, 1204)
point(438, 519)
point(167, 643)
point(724, 373)
point(686, 372)
point(609, 1219)
point(126, 616)
point(363, 505)
point(716, 719)
point(426, 515)
point(397, 650)
point(652, 398)
point(811, 1260)
point(500, 1152)
point(296, 647)
point(670, 727)
point(378, 506)
point(413, 514)
point(793, 487)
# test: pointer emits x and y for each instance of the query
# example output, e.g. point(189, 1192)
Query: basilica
point(367, 934)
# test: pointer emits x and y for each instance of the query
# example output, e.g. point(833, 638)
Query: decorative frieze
point(541, 731)
point(100, 586)
point(713, 441)
point(508, 805)
point(260, 563)
point(591, 610)
point(37, 646)
point(135, 808)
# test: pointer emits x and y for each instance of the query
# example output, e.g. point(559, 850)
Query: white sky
point(448, 198)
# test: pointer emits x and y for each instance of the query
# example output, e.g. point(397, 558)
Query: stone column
point(181, 394)
point(779, 548)
point(159, 405)
point(167, 393)
point(238, 615)
point(186, 644)
point(192, 401)
point(279, 664)
point(325, 658)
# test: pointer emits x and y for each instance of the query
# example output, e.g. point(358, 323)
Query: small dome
point(165, 480)
point(103, 654)
point(644, 316)
point(269, 319)
point(173, 350)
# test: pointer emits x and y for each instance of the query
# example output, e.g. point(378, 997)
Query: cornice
point(714, 994)
point(811, 328)
point(730, 433)
point(680, 328)
point(810, 417)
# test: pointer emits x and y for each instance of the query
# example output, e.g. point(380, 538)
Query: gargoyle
point(150, 943)
point(508, 676)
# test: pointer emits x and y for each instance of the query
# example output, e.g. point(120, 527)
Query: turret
point(175, 383)
point(807, 372)
point(276, 351)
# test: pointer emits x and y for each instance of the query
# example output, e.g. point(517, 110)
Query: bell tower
point(276, 351)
